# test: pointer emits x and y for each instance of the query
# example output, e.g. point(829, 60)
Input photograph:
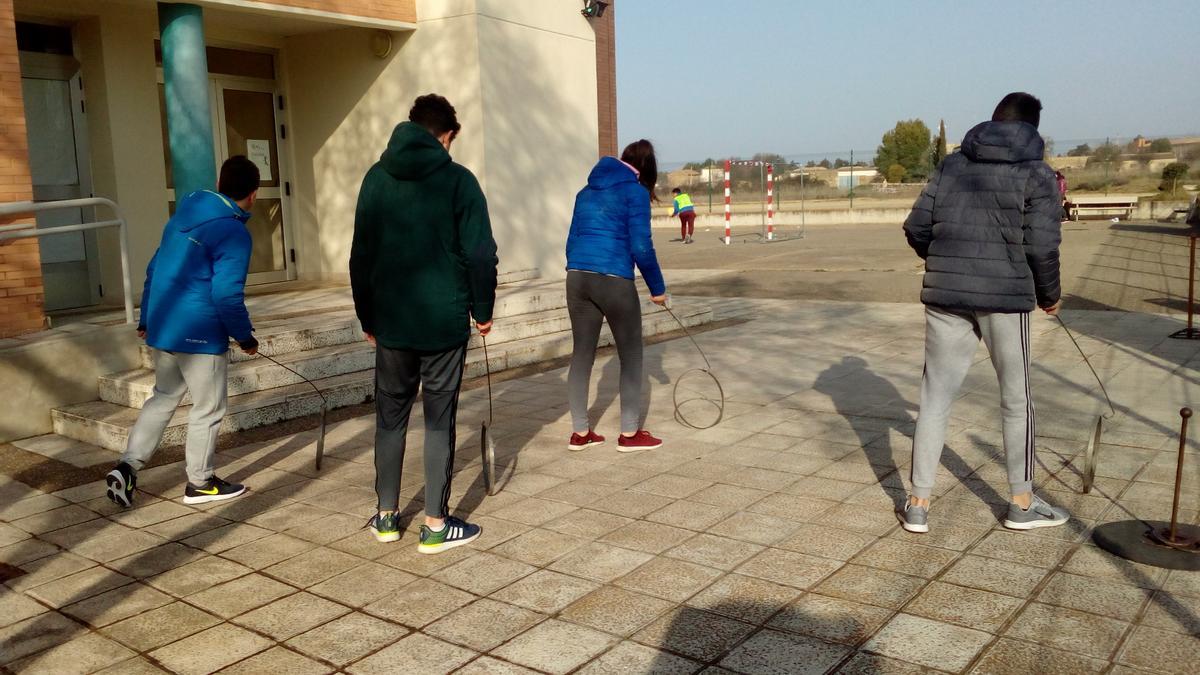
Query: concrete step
point(338, 325)
point(107, 424)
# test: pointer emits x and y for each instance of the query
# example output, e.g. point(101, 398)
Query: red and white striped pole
point(770, 202)
point(728, 211)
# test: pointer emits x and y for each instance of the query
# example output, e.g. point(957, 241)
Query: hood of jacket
point(205, 206)
point(413, 153)
point(1003, 142)
point(610, 171)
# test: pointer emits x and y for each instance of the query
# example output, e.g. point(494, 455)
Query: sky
point(810, 79)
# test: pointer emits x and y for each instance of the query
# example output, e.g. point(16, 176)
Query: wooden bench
point(1108, 205)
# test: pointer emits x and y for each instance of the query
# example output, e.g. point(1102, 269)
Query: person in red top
point(1062, 191)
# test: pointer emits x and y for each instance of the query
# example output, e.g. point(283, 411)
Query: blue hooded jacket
point(194, 299)
point(610, 229)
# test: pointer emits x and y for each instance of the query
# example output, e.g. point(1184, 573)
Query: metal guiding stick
point(1089, 456)
point(487, 449)
point(324, 409)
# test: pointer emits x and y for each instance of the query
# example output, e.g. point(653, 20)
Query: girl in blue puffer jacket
point(610, 233)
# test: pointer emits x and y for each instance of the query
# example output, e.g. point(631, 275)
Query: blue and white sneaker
point(914, 518)
point(1039, 514)
point(455, 532)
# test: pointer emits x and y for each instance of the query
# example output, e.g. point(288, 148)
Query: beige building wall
point(522, 77)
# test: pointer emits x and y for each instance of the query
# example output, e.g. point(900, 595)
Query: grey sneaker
point(915, 518)
point(1039, 514)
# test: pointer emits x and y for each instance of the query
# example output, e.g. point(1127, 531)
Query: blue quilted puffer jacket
point(610, 230)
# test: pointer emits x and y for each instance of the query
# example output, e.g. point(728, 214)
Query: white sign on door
point(259, 152)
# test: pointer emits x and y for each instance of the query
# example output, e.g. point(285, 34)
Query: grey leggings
point(592, 298)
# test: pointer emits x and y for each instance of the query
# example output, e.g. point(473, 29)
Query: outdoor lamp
point(594, 9)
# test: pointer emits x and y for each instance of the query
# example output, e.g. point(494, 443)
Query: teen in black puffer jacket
point(987, 224)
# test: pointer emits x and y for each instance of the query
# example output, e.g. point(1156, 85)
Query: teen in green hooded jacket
point(422, 266)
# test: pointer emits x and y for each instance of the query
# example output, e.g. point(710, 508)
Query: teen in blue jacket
point(193, 302)
point(610, 233)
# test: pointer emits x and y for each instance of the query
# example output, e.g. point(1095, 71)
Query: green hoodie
point(423, 261)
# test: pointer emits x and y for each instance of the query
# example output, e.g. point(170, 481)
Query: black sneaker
point(121, 482)
point(214, 490)
point(455, 532)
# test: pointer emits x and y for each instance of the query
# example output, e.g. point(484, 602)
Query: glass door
point(246, 125)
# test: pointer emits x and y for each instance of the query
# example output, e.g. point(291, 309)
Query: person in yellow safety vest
point(686, 211)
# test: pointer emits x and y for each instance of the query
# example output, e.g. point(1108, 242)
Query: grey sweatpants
point(399, 373)
point(951, 338)
point(175, 374)
point(592, 298)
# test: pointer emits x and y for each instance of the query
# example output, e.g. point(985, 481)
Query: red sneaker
point(642, 440)
point(584, 441)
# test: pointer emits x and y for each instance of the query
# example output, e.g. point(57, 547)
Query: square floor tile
point(35, 634)
point(483, 573)
point(792, 507)
point(410, 604)
point(646, 536)
point(830, 619)
point(630, 657)
point(161, 626)
point(16, 607)
point(694, 633)
point(419, 654)
point(970, 607)
point(157, 560)
point(538, 547)
point(85, 654)
point(347, 638)
point(600, 562)
point(355, 587)
point(313, 567)
point(754, 527)
point(241, 595)
point(291, 616)
point(788, 567)
point(277, 660)
point(670, 579)
point(997, 576)
point(210, 650)
point(197, 576)
point(545, 591)
point(615, 610)
point(871, 586)
point(1068, 629)
point(929, 643)
point(773, 652)
point(1091, 561)
point(410, 560)
point(630, 503)
point(1178, 613)
point(483, 624)
point(864, 663)
point(78, 586)
point(670, 485)
point(1098, 596)
point(714, 551)
point(587, 524)
point(690, 515)
point(1023, 548)
point(1013, 656)
point(744, 598)
point(555, 646)
point(825, 542)
point(1161, 651)
point(119, 603)
point(267, 551)
point(486, 665)
point(906, 557)
point(534, 511)
point(728, 496)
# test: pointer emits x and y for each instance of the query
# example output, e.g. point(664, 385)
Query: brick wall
point(391, 10)
point(20, 262)
point(606, 80)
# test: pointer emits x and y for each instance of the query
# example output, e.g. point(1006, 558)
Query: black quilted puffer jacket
point(987, 224)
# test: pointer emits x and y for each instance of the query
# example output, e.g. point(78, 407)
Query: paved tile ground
point(764, 545)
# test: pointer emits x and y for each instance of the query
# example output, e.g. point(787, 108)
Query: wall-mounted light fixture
point(594, 9)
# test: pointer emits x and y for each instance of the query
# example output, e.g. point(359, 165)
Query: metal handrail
point(24, 230)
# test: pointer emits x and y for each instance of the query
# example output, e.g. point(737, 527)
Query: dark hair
point(676, 191)
point(1018, 107)
point(435, 114)
point(640, 155)
point(239, 177)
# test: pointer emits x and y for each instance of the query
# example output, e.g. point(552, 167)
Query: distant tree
point(840, 163)
point(824, 164)
point(1081, 150)
point(809, 164)
point(1105, 154)
point(1171, 175)
point(693, 166)
point(939, 148)
point(910, 145)
point(1160, 145)
point(895, 173)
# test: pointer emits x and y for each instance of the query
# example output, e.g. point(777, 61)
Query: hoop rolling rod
point(706, 371)
point(324, 409)
point(1089, 457)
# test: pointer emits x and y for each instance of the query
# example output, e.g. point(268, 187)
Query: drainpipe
point(189, 116)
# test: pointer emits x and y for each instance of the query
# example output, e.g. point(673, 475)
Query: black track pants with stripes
point(951, 339)
point(398, 375)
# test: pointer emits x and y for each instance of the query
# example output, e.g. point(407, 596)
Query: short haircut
point(1018, 107)
point(239, 177)
point(676, 191)
point(435, 114)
